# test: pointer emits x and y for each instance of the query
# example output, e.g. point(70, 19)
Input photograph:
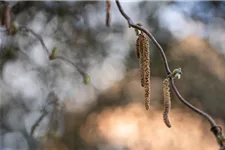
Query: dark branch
point(52, 100)
point(36, 124)
point(23, 28)
point(214, 127)
point(70, 62)
point(20, 28)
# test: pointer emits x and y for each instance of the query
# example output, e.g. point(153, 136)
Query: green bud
point(176, 73)
point(53, 54)
point(139, 24)
point(86, 79)
point(136, 30)
point(14, 29)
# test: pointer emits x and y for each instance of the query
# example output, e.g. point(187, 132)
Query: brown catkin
point(138, 46)
point(145, 61)
point(139, 51)
point(7, 18)
point(167, 102)
point(108, 8)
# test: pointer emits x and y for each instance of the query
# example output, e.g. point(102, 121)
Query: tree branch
point(36, 124)
point(20, 28)
point(23, 28)
point(217, 130)
point(53, 101)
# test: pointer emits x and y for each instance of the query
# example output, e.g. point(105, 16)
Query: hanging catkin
point(108, 8)
point(139, 53)
point(7, 18)
point(146, 66)
point(167, 102)
point(142, 52)
point(144, 61)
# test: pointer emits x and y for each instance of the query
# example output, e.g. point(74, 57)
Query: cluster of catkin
point(143, 55)
point(142, 51)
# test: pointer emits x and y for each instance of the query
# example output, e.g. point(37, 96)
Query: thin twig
point(214, 127)
point(36, 35)
point(23, 28)
point(36, 124)
point(55, 115)
point(70, 62)
point(52, 100)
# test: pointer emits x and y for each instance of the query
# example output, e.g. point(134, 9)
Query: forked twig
point(216, 129)
point(52, 101)
point(26, 29)
point(37, 122)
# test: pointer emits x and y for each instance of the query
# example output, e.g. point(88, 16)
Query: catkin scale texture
point(139, 53)
point(142, 52)
point(146, 66)
point(167, 102)
point(144, 61)
point(138, 46)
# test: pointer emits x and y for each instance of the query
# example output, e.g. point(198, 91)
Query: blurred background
point(108, 113)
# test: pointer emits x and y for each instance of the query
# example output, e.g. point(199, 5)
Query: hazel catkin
point(142, 48)
point(139, 53)
point(142, 52)
point(146, 68)
point(167, 102)
point(7, 18)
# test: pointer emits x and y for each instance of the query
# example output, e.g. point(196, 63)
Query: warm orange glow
point(135, 128)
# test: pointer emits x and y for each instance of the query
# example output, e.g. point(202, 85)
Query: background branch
point(26, 29)
point(37, 122)
point(23, 28)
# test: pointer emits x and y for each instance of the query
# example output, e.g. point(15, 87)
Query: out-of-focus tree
point(63, 51)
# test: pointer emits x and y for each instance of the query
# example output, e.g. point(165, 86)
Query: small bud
point(136, 30)
point(86, 79)
point(139, 24)
point(176, 73)
point(53, 54)
point(177, 76)
point(14, 29)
